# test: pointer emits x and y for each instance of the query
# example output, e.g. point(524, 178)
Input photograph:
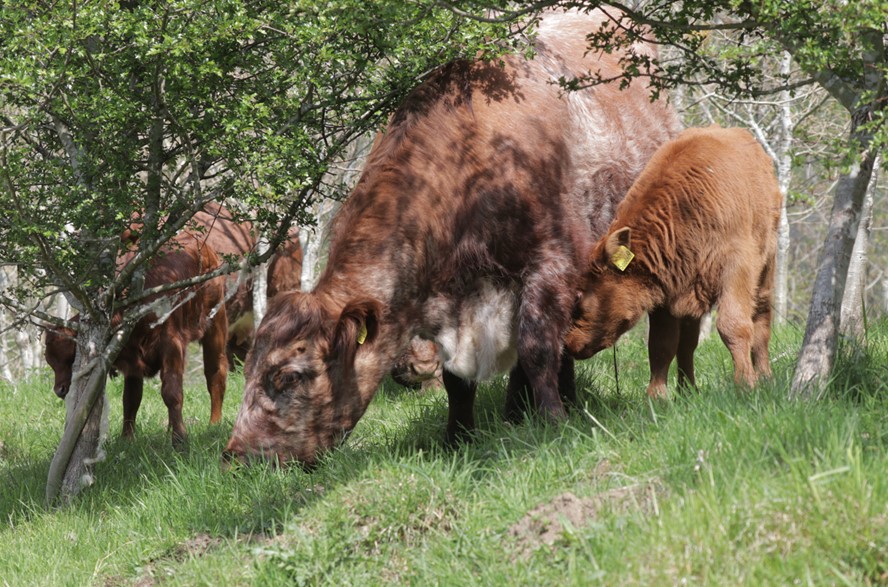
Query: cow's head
point(59, 353)
point(301, 394)
point(613, 298)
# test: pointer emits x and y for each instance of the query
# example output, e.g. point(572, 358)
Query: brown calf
point(161, 348)
point(470, 226)
point(701, 222)
point(218, 228)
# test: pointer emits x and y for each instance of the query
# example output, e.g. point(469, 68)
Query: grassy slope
point(712, 488)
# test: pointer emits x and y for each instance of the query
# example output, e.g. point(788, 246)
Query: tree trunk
point(818, 351)
point(853, 306)
point(5, 323)
point(85, 419)
point(784, 176)
point(260, 284)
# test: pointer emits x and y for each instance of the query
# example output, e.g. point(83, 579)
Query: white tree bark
point(783, 161)
point(260, 284)
point(5, 324)
point(818, 352)
point(853, 306)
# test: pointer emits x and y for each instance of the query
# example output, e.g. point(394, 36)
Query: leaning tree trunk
point(85, 419)
point(818, 352)
point(853, 304)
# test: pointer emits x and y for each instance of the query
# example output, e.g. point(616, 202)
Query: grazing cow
point(469, 226)
point(161, 348)
point(701, 222)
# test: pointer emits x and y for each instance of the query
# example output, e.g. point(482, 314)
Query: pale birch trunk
point(783, 160)
point(260, 284)
point(853, 306)
point(5, 325)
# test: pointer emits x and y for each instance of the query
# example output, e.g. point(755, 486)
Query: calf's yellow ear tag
point(362, 333)
point(622, 257)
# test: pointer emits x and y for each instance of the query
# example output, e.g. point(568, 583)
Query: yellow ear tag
point(622, 257)
point(362, 333)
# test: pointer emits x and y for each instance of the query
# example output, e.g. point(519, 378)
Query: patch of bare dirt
point(547, 524)
point(160, 568)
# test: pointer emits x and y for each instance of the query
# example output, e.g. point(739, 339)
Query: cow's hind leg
point(460, 407)
point(215, 358)
point(689, 336)
point(171, 387)
point(663, 337)
point(761, 322)
point(132, 399)
point(735, 326)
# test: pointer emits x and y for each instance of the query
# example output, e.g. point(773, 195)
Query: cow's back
point(487, 174)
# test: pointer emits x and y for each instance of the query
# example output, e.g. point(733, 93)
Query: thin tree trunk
point(818, 352)
point(260, 284)
point(5, 323)
point(853, 306)
point(784, 176)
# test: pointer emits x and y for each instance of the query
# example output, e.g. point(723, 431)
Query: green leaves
point(251, 100)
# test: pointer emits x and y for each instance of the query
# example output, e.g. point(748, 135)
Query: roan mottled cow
point(701, 222)
point(469, 226)
point(153, 348)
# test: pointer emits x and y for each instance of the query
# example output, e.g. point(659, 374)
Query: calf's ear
point(619, 238)
point(358, 325)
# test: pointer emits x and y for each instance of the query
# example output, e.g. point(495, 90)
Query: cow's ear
point(619, 238)
point(617, 248)
point(358, 325)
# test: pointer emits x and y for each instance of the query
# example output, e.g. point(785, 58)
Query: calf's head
point(614, 297)
point(301, 394)
point(418, 363)
point(59, 354)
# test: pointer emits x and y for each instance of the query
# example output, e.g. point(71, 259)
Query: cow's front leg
point(171, 388)
point(132, 399)
point(519, 395)
point(461, 407)
point(544, 317)
point(663, 336)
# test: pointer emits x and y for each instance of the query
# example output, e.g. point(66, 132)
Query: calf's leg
point(132, 399)
point(215, 358)
point(689, 336)
point(735, 327)
point(761, 323)
point(171, 388)
point(663, 338)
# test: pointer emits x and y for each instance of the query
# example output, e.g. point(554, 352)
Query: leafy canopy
point(111, 109)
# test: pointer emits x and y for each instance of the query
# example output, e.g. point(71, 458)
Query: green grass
point(712, 488)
